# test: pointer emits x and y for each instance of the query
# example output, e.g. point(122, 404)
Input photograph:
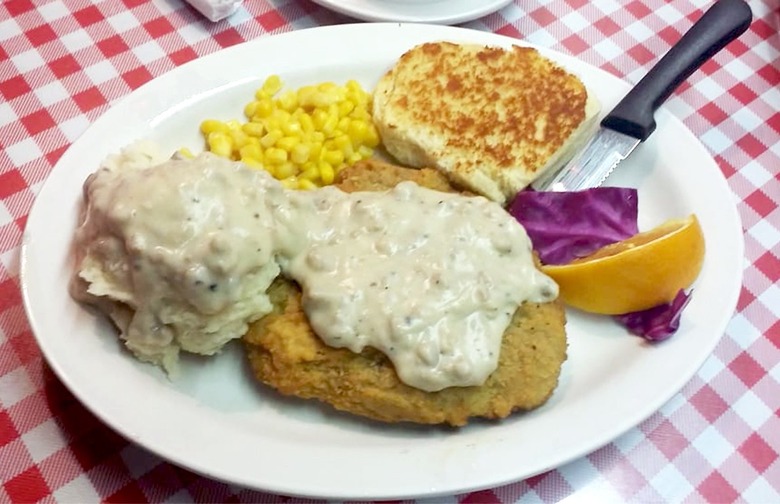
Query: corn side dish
point(302, 137)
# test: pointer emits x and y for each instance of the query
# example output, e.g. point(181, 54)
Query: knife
point(632, 120)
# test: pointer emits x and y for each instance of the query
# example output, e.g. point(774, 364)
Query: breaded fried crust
point(286, 354)
point(491, 118)
point(375, 175)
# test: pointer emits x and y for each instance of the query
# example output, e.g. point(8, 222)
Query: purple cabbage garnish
point(564, 226)
point(657, 323)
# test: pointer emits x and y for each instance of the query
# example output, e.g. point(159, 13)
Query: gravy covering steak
point(288, 355)
point(184, 252)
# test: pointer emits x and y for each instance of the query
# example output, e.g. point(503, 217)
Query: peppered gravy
point(430, 279)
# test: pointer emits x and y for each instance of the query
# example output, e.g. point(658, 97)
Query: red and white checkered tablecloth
point(65, 62)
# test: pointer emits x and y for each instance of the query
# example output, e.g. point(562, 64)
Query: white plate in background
point(415, 11)
point(216, 421)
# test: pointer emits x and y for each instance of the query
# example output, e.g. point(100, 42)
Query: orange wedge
point(640, 272)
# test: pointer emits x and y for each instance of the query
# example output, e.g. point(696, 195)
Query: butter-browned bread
point(492, 119)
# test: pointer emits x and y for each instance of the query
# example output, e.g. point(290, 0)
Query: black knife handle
point(722, 23)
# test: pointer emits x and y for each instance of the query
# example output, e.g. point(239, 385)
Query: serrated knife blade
point(593, 164)
point(632, 121)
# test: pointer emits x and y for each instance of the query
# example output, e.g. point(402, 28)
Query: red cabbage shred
point(657, 323)
point(564, 226)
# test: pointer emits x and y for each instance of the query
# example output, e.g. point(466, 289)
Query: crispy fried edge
point(366, 384)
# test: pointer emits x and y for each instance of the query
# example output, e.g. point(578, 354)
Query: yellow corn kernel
point(274, 155)
point(251, 151)
point(327, 173)
point(272, 85)
point(292, 128)
point(289, 182)
point(306, 122)
point(299, 154)
point(288, 143)
point(281, 116)
point(372, 137)
point(360, 114)
point(284, 171)
point(326, 86)
point(219, 143)
point(319, 117)
point(365, 151)
point(353, 85)
point(357, 131)
point(253, 129)
point(288, 101)
point(252, 163)
point(250, 109)
point(186, 153)
point(211, 126)
point(305, 94)
point(334, 157)
point(355, 98)
point(330, 124)
point(238, 138)
point(306, 185)
point(345, 107)
point(272, 123)
point(311, 173)
point(361, 98)
point(344, 144)
point(354, 158)
point(325, 99)
point(264, 108)
point(253, 140)
point(270, 138)
point(327, 145)
point(343, 124)
point(315, 148)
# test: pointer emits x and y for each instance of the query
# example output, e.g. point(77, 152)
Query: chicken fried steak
point(287, 355)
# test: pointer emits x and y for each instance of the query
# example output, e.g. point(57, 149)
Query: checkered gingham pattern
point(64, 62)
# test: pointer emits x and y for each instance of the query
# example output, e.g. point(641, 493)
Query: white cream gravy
point(428, 278)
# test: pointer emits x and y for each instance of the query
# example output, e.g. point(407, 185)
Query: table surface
point(64, 63)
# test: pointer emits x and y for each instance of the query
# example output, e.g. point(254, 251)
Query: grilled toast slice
point(492, 119)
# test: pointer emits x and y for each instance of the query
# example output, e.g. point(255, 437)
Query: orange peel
point(643, 271)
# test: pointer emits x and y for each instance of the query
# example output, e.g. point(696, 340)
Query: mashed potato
point(170, 258)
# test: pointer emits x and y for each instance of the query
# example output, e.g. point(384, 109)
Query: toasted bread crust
point(493, 119)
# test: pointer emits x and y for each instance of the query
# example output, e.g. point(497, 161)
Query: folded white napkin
point(215, 10)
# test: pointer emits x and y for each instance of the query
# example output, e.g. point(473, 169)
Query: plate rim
point(586, 448)
point(372, 10)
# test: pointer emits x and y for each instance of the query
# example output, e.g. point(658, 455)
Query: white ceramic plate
point(216, 421)
point(415, 11)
